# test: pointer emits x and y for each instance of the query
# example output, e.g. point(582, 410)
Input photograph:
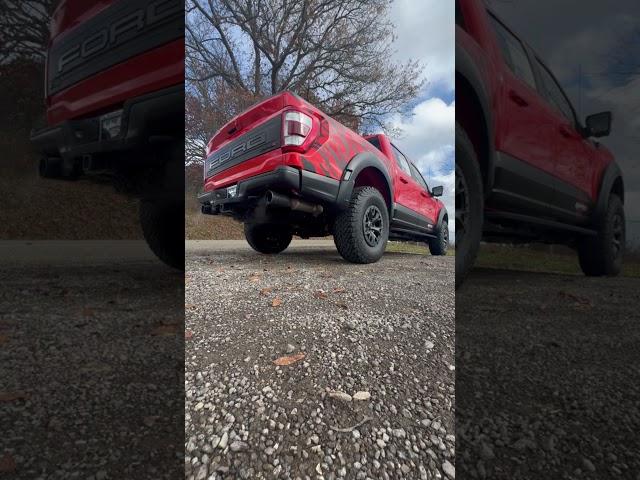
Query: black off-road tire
point(162, 223)
point(350, 228)
point(602, 254)
point(267, 238)
point(440, 244)
point(469, 205)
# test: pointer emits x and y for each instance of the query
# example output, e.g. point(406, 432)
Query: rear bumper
point(151, 118)
point(305, 185)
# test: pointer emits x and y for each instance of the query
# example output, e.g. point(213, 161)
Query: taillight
point(296, 128)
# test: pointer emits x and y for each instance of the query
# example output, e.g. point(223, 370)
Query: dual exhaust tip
point(274, 199)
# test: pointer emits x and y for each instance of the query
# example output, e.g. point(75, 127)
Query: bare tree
point(24, 29)
point(334, 53)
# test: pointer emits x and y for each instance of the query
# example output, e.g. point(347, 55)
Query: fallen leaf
point(265, 291)
point(320, 294)
point(188, 334)
point(342, 305)
point(276, 302)
point(13, 396)
point(288, 359)
point(190, 306)
point(165, 330)
point(339, 290)
point(7, 464)
point(254, 278)
point(578, 301)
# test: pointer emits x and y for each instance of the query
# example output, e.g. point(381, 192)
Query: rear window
point(417, 176)
point(375, 141)
point(513, 52)
point(401, 159)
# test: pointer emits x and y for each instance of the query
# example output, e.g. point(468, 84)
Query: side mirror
point(598, 124)
point(437, 191)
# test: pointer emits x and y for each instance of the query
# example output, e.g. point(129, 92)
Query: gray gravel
point(91, 383)
point(548, 376)
point(378, 345)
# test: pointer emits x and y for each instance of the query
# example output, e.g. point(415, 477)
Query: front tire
point(440, 244)
point(162, 223)
point(267, 238)
point(602, 254)
point(362, 230)
point(469, 205)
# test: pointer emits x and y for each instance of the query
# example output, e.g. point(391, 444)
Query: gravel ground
point(91, 383)
point(373, 397)
point(548, 376)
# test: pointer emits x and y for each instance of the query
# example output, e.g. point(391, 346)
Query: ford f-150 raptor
point(114, 88)
point(527, 169)
point(285, 168)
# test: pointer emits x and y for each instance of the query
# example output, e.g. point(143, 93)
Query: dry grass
point(208, 227)
point(543, 259)
point(37, 209)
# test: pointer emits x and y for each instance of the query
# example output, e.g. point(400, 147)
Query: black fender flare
point(468, 70)
point(351, 172)
point(443, 212)
point(611, 174)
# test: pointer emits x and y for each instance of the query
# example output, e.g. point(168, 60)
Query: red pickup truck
point(527, 169)
point(114, 91)
point(285, 168)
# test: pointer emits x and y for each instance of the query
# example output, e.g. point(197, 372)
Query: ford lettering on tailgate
point(259, 140)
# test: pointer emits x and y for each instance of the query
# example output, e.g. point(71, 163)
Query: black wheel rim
point(618, 235)
point(372, 226)
point(445, 236)
point(462, 205)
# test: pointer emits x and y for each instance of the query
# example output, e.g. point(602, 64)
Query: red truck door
point(524, 130)
point(428, 206)
point(406, 189)
point(572, 159)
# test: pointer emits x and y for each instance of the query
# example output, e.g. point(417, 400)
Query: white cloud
point(425, 31)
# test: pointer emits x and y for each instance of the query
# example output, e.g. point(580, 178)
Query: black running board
point(408, 234)
point(542, 222)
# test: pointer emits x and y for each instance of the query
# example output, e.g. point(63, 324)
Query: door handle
point(517, 99)
point(404, 180)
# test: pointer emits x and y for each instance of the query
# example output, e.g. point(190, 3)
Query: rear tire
point(440, 244)
point(267, 238)
point(602, 255)
point(162, 223)
point(469, 205)
point(361, 231)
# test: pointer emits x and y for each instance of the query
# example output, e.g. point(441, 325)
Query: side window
point(418, 177)
point(401, 159)
point(514, 54)
point(554, 93)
